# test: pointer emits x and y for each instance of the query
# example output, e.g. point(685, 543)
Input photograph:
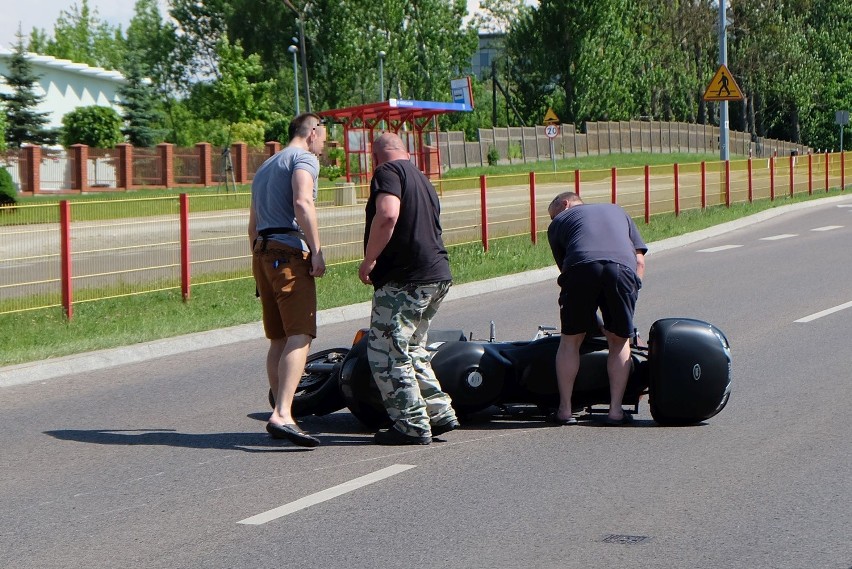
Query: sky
point(43, 14)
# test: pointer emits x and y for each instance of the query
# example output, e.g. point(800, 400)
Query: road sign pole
point(723, 106)
point(553, 154)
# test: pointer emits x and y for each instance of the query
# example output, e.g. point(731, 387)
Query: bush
point(95, 126)
point(331, 172)
point(252, 133)
point(515, 152)
point(493, 156)
point(7, 188)
point(277, 129)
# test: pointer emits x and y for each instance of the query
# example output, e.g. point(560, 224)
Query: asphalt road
point(155, 463)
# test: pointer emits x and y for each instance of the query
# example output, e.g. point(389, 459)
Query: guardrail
point(83, 251)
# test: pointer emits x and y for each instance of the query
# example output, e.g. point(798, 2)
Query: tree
point(141, 116)
point(24, 124)
point(238, 94)
point(79, 35)
point(95, 126)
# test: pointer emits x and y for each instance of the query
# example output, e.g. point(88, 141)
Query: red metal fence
point(83, 251)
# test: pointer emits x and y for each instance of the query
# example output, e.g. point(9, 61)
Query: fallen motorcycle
point(685, 370)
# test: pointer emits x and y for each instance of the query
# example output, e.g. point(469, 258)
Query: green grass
point(45, 333)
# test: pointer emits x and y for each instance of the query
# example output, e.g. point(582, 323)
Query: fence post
point(184, 247)
point(32, 155)
point(65, 257)
point(125, 166)
point(750, 182)
point(273, 147)
point(842, 171)
point(771, 178)
point(167, 161)
point(484, 211)
point(676, 191)
point(533, 220)
point(703, 185)
point(727, 183)
point(647, 194)
point(826, 170)
point(614, 184)
point(792, 164)
point(810, 173)
point(80, 152)
point(239, 153)
point(205, 163)
point(577, 182)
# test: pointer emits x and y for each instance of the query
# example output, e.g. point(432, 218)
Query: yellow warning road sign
point(723, 87)
point(550, 117)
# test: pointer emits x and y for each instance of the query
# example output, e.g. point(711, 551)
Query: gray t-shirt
point(272, 193)
point(594, 232)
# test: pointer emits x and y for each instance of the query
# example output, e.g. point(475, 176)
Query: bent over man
point(286, 259)
point(601, 256)
point(407, 264)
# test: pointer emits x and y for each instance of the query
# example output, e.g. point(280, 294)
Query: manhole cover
point(626, 539)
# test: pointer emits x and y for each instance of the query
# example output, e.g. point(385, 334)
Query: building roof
point(48, 61)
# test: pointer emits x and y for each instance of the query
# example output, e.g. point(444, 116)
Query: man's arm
point(381, 230)
point(306, 217)
point(556, 249)
point(252, 225)
point(640, 264)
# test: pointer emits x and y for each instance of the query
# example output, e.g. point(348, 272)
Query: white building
point(66, 85)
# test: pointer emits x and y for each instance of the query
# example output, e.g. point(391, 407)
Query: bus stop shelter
point(416, 122)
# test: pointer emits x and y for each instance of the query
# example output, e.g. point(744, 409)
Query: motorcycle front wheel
point(318, 392)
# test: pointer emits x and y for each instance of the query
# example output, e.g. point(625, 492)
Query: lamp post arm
point(292, 8)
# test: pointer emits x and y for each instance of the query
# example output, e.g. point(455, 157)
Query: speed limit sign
point(551, 130)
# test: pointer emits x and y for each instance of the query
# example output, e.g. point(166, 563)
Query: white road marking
point(845, 205)
point(827, 228)
point(720, 248)
point(777, 237)
point(816, 315)
point(325, 495)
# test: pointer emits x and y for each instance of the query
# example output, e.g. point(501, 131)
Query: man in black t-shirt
point(407, 264)
point(601, 257)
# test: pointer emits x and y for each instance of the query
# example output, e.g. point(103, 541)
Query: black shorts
point(586, 287)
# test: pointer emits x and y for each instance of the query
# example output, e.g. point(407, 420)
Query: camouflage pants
point(399, 361)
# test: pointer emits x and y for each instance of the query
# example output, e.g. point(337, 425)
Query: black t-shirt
point(415, 253)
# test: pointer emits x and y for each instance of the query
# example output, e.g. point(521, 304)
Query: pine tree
point(139, 104)
point(24, 124)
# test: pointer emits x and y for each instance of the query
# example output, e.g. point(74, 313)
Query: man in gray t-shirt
point(601, 258)
point(286, 258)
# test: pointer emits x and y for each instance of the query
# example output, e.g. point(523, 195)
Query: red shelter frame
point(412, 120)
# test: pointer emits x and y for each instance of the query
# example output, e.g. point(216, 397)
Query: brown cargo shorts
point(288, 292)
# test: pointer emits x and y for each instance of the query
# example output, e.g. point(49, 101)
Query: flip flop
point(625, 420)
point(553, 418)
point(293, 434)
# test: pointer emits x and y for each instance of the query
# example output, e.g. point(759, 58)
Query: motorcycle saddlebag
point(690, 371)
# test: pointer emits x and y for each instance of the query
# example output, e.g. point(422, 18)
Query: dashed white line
point(777, 237)
point(719, 248)
point(325, 495)
point(826, 312)
point(827, 228)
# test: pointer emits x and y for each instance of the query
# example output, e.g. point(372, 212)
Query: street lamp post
point(724, 152)
point(293, 49)
point(382, 55)
point(299, 19)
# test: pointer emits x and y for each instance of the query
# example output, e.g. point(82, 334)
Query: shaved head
point(389, 146)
